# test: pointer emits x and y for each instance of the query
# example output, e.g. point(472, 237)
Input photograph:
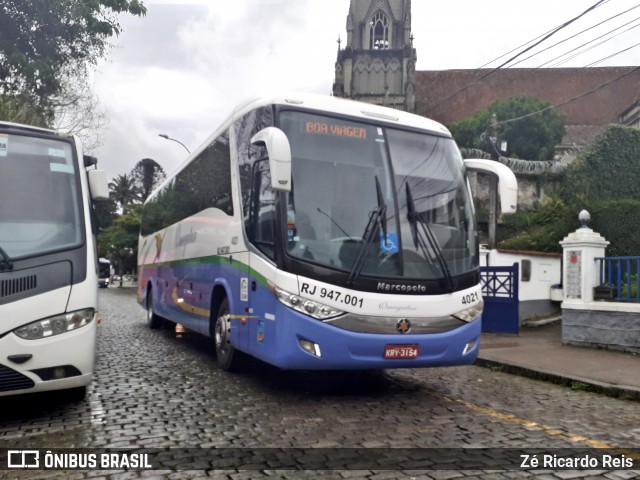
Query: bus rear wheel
point(228, 357)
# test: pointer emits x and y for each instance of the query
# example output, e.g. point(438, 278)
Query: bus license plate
point(401, 351)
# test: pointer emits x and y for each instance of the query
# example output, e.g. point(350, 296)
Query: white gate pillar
point(579, 271)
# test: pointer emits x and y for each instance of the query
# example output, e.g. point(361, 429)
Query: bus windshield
point(39, 202)
point(377, 201)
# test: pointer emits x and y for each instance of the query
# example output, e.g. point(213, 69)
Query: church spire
point(377, 64)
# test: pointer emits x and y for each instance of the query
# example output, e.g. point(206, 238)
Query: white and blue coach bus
point(48, 261)
point(320, 233)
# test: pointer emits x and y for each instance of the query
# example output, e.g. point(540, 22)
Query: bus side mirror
point(279, 152)
point(507, 182)
point(98, 185)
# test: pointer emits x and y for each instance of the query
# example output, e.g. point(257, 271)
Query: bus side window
point(263, 211)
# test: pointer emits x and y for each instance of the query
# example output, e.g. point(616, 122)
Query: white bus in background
point(48, 261)
point(105, 272)
point(319, 233)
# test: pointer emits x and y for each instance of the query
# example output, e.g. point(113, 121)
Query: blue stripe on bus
point(272, 332)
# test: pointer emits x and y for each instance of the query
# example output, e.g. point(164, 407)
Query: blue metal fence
point(500, 294)
point(622, 276)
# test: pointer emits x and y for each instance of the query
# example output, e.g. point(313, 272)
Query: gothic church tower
point(378, 63)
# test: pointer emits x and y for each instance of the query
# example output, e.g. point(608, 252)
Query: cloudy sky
point(181, 69)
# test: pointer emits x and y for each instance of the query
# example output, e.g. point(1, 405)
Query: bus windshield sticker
point(4, 145)
point(390, 244)
point(57, 152)
point(61, 167)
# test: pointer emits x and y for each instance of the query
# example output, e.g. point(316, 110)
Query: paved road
point(158, 389)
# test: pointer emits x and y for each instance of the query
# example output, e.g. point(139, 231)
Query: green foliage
point(120, 241)
point(41, 39)
point(532, 137)
point(23, 109)
point(618, 221)
point(124, 191)
point(468, 132)
point(608, 170)
point(580, 386)
point(539, 230)
point(604, 181)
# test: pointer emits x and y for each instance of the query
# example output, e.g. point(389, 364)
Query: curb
point(626, 393)
point(541, 322)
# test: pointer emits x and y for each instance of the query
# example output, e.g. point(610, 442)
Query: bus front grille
point(12, 380)
point(13, 286)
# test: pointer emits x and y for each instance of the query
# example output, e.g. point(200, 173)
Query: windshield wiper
point(5, 263)
point(377, 219)
point(419, 236)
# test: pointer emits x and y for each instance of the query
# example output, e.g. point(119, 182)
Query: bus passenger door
point(261, 230)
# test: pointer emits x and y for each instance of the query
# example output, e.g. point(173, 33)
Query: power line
point(560, 62)
point(513, 50)
point(580, 33)
point(589, 49)
point(543, 35)
point(613, 55)
point(553, 32)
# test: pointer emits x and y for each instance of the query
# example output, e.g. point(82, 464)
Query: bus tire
point(229, 358)
point(154, 321)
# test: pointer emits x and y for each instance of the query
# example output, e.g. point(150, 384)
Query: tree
point(120, 241)
point(533, 136)
point(609, 170)
point(39, 39)
point(75, 109)
point(124, 191)
point(147, 175)
point(22, 108)
point(603, 181)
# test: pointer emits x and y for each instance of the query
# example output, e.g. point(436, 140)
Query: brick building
point(591, 98)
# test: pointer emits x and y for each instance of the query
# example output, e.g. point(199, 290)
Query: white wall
point(546, 270)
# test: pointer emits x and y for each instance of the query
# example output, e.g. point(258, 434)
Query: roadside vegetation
point(602, 180)
point(47, 52)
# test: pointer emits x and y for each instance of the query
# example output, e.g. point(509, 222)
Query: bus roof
point(30, 128)
point(343, 106)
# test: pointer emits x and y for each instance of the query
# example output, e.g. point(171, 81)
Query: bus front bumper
point(55, 363)
point(304, 343)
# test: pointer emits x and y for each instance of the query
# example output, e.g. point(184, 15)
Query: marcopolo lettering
point(401, 287)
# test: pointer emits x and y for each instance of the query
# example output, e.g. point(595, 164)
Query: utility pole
point(493, 185)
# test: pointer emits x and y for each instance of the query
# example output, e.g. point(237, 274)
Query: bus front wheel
point(228, 356)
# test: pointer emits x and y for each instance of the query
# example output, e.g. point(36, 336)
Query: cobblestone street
point(159, 389)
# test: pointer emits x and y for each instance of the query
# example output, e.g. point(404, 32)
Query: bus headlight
point(471, 313)
point(56, 325)
point(308, 307)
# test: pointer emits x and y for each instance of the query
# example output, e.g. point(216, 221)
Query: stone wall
point(605, 329)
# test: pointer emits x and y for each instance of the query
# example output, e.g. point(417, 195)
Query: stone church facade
point(377, 65)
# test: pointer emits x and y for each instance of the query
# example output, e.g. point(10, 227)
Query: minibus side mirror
point(98, 185)
point(279, 152)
